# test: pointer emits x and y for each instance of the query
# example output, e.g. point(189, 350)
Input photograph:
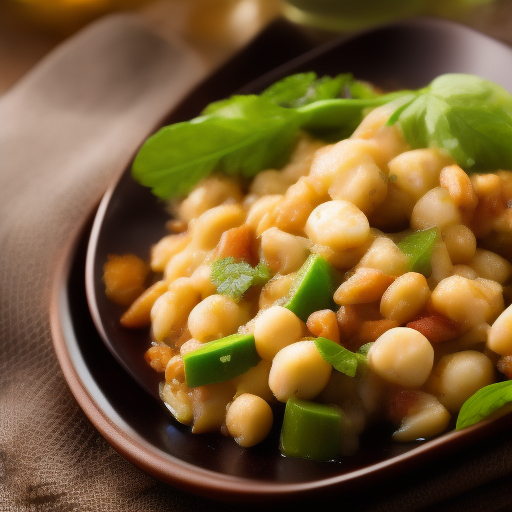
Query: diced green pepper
point(220, 360)
point(311, 430)
point(313, 288)
point(418, 248)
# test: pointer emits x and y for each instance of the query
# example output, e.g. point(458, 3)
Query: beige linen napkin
point(66, 130)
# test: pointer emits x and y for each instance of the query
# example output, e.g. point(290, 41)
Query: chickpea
point(499, 338)
point(201, 279)
point(459, 186)
point(417, 171)
point(215, 317)
point(387, 141)
point(394, 212)
point(464, 271)
point(255, 381)
point(275, 290)
point(384, 255)
point(426, 418)
point(176, 398)
point(468, 302)
point(335, 160)
point(337, 224)
point(209, 193)
point(435, 209)
point(490, 265)
point(274, 329)
point(402, 356)
point(440, 263)
point(166, 248)
point(170, 311)
point(460, 243)
point(260, 208)
point(298, 370)
point(405, 297)
point(184, 263)
point(283, 253)
point(457, 376)
point(365, 186)
point(302, 157)
point(249, 419)
point(209, 226)
point(269, 182)
point(365, 285)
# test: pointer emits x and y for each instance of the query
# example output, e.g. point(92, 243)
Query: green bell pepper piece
point(311, 430)
point(418, 248)
point(313, 288)
point(220, 360)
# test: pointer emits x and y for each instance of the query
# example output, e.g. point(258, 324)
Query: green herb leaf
point(418, 248)
point(234, 278)
point(483, 403)
point(305, 88)
point(341, 358)
point(467, 116)
point(338, 118)
point(241, 136)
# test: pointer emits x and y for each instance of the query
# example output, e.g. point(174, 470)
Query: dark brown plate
point(120, 397)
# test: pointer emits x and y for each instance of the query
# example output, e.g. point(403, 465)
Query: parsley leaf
point(342, 359)
point(234, 278)
point(465, 115)
point(483, 403)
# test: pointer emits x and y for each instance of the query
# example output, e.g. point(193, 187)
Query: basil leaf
point(234, 278)
point(242, 136)
point(305, 88)
point(467, 116)
point(483, 403)
point(341, 358)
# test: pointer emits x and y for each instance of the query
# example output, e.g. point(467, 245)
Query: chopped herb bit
point(342, 359)
point(234, 278)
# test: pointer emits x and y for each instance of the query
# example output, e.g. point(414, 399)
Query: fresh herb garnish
point(234, 278)
point(418, 248)
point(483, 403)
point(342, 359)
point(242, 136)
point(304, 88)
point(465, 115)
point(246, 134)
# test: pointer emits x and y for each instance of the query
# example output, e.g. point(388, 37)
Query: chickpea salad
point(334, 252)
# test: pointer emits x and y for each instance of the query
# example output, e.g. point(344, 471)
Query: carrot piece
point(435, 327)
point(239, 243)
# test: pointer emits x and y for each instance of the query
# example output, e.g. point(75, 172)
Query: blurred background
point(29, 29)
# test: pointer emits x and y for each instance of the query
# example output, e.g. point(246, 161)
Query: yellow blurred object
point(66, 16)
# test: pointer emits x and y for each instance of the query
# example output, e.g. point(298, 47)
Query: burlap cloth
point(65, 131)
